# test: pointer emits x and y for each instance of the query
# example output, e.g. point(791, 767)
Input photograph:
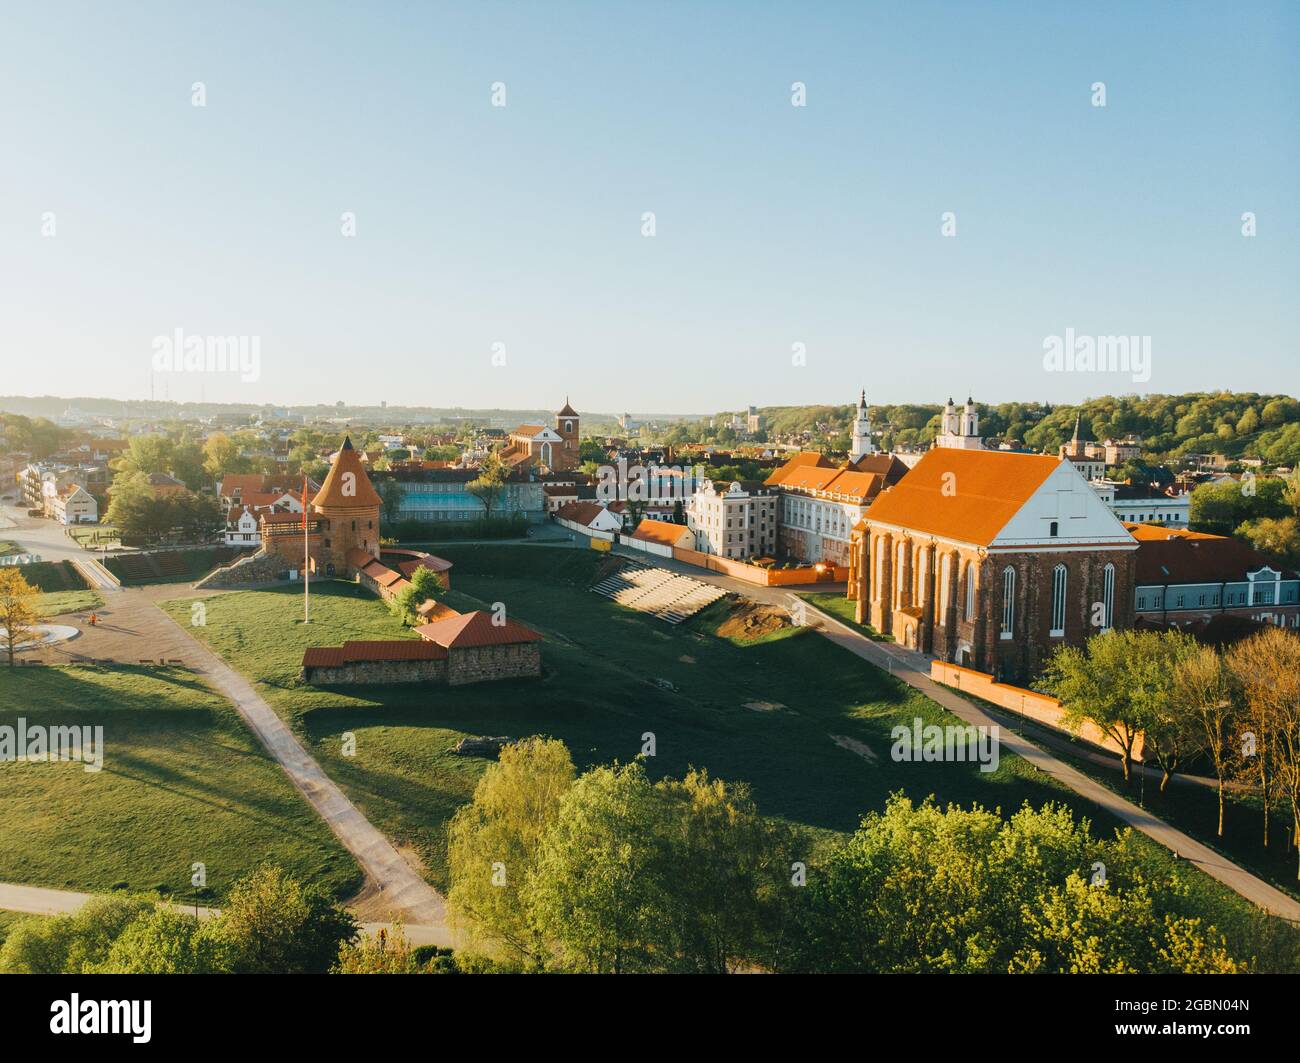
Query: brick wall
point(1040, 708)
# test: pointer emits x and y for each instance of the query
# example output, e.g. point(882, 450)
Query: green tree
point(1091, 685)
point(1204, 686)
point(424, 585)
point(163, 941)
point(1278, 537)
point(493, 846)
point(595, 892)
point(273, 924)
point(490, 483)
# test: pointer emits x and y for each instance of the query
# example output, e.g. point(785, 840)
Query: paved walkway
point(133, 629)
point(914, 670)
point(37, 900)
point(402, 890)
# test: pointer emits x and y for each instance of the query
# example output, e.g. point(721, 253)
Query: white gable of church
point(547, 435)
point(1067, 500)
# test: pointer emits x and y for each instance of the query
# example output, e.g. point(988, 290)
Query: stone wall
point(262, 567)
point(481, 664)
point(377, 672)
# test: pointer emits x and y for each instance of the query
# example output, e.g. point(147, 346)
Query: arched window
point(880, 571)
point(945, 572)
point(970, 591)
point(1058, 600)
point(899, 554)
point(1008, 601)
point(922, 576)
point(1107, 597)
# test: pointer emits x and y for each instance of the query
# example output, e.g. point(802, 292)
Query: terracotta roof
point(241, 482)
point(476, 629)
point(433, 564)
point(378, 650)
point(804, 459)
point(1147, 532)
point(272, 517)
point(433, 611)
point(560, 490)
point(1199, 559)
point(580, 512)
point(887, 466)
point(358, 558)
point(331, 492)
point(967, 495)
point(659, 531)
point(528, 430)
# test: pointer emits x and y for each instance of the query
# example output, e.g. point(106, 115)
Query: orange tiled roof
point(475, 629)
point(376, 650)
point(985, 490)
point(804, 459)
point(528, 430)
point(659, 531)
point(580, 512)
point(331, 492)
point(1155, 532)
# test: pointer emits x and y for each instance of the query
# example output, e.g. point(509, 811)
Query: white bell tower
point(862, 444)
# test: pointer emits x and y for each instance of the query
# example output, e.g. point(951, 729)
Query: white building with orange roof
point(992, 559)
point(821, 502)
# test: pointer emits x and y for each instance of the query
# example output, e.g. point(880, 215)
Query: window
point(1008, 601)
point(945, 571)
point(1052, 529)
point(1058, 601)
point(970, 591)
point(1107, 597)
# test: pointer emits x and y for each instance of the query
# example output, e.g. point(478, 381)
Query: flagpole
point(306, 560)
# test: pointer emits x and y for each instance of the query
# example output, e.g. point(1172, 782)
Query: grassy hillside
point(183, 781)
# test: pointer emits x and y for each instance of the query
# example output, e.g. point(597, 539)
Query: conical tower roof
point(362, 493)
point(567, 411)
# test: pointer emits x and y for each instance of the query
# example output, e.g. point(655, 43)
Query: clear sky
point(775, 225)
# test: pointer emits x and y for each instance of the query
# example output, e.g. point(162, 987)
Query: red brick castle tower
point(346, 510)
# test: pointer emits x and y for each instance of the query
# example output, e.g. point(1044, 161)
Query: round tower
point(347, 510)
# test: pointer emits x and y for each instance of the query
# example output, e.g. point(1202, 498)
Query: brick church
point(537, 446)
point(992, 559)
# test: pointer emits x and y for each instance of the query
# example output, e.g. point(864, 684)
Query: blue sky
point(775, 225)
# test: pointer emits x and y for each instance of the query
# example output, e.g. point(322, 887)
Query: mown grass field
point(763, 712)
point(183, 781)
point(58, 602)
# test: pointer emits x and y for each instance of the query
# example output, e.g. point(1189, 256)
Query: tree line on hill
point(1170, 426)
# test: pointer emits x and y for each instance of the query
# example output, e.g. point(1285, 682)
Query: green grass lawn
point(842, 609)
point(57, 602)
point(183, 781)
point(93, 533)
point(763, 711)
